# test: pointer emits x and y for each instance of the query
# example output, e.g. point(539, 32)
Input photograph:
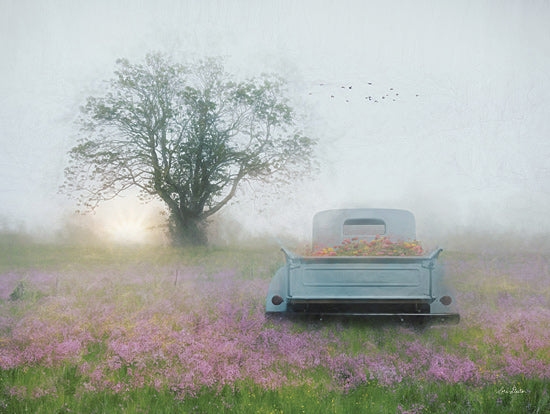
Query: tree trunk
point(187, 230)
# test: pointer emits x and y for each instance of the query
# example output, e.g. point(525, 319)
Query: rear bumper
point(385, 306)
point(443, 318)
point(419, 309)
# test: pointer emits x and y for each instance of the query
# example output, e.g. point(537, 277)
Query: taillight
point(276, 300)
point(446, 300)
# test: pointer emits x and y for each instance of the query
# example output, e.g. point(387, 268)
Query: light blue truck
point(403, 287)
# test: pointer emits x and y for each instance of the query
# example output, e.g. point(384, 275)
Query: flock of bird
point(370, 95)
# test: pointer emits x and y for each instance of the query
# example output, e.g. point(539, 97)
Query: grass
point(18, 253)
point(100, 329)
point(527, 396)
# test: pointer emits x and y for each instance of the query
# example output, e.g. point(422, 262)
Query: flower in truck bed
point(380, 246)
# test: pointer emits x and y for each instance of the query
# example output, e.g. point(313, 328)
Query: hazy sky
point(461, 137)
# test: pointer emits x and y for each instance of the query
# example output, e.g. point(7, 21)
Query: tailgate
point(360, 279)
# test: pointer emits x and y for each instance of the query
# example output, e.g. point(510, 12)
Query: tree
point(187, 134)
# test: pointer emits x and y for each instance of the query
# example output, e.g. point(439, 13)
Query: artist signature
point(514, 390)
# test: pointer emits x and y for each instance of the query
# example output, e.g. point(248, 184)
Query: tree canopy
point(188, 134)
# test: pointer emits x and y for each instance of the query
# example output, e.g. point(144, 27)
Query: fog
point(459, 134)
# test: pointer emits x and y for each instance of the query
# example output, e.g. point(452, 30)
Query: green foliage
point(186, 134)
point(19, 291)
point(25, 293)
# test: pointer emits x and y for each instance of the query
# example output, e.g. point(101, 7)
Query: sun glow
point(126, 221)
point(128, 229)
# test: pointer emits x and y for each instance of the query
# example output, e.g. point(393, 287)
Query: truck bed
point(360, 284)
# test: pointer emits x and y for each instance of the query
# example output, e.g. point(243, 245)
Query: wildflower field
point(160, 330)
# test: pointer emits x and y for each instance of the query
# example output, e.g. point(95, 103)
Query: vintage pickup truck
point(403, 287)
